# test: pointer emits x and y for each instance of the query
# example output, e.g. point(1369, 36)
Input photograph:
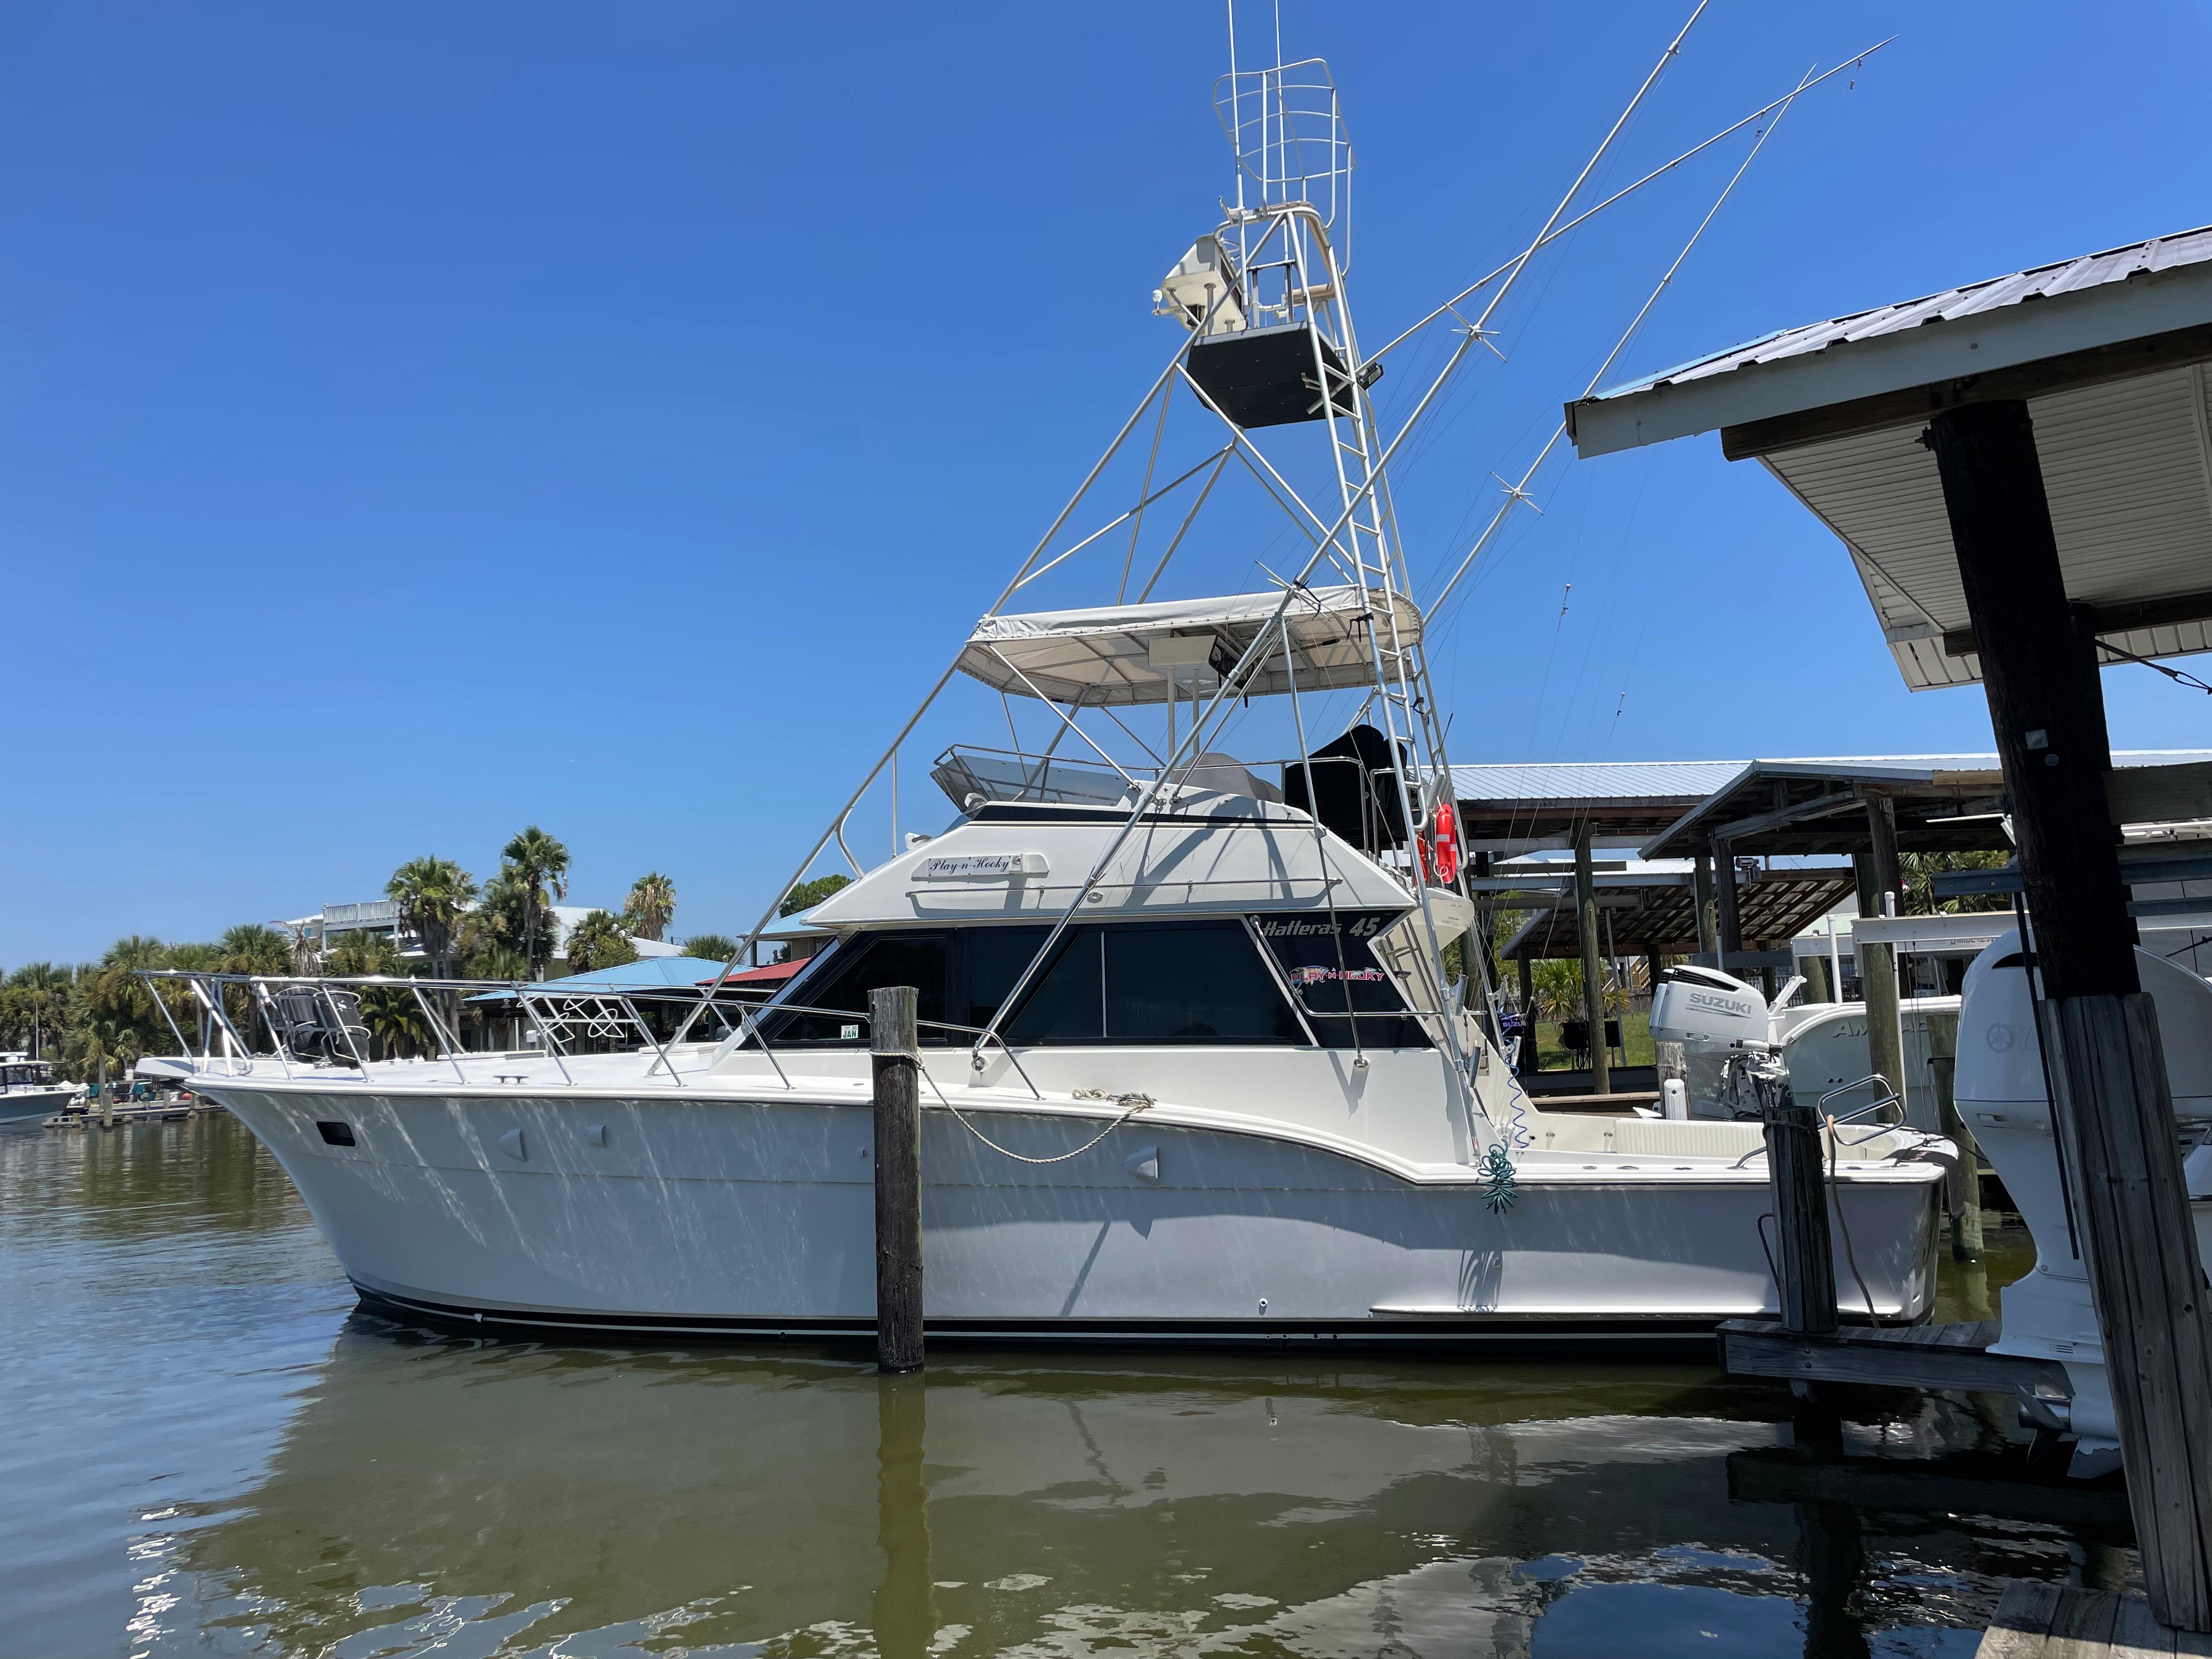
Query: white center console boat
point(29, 1091)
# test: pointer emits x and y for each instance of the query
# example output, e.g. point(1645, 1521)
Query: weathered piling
point(2112, 1106)
point(1593, 979)
point(894, 1045)
point(1804, 1260)
point(1963, 1192)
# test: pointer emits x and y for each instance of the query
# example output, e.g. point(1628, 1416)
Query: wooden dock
point(1954, 1357)
point(2062, 1622)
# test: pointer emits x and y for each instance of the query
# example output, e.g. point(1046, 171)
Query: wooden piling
point(2112, 1104)
point(1879, 884)
point(1727, 914)
point(1804, 1259)
point(1963, 1190)
point(894, 1050)
point(1525, 1061)
point(1593, 979)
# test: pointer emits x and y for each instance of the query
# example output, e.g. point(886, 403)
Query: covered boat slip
point(2020, 471)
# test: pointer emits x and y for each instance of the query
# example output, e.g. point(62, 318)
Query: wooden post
point(895, 1048)
point(1593, 979)
point(1731, 923)
point(1877, 962)
point(1701, 899)
point(1804, 1259)
point(1963, 1190)
point(2110, 1097)
point(1817, 988)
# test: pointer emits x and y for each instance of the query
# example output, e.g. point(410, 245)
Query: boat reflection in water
point(511, 1498)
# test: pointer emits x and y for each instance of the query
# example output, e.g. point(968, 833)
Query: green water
point(207, 1450)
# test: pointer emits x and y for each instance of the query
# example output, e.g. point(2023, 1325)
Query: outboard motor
point(304, 1021)
point(2002, 1094)
point(1709, 1013)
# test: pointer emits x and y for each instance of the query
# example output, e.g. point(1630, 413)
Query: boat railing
point(315, 1021)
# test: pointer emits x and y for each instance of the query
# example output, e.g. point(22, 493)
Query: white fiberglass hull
point(722, 1214)
point(18, 1105)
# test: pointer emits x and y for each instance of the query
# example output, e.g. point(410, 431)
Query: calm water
point(207, 1450)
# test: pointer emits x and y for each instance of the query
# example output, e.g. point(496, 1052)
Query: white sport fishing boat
point(1200, 1061)
point(29, 1089)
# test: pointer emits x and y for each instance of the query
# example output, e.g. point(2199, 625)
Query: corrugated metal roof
point(2125, 468)
point(1621, 781)
point(2187, 247)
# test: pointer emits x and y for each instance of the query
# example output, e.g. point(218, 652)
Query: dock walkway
point(2061, 1621)
point(1951, 1356)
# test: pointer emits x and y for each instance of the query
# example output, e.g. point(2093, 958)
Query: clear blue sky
point(416, 421)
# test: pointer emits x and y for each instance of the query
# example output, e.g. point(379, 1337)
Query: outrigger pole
point(1518, 493)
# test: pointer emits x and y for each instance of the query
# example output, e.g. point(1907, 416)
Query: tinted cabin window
point(1196, 982)
point(1161, 983)
point(1338, 981)
point(847, 974)
point(1065, 1004)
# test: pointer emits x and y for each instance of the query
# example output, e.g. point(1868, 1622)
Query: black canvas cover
point(1353, 788)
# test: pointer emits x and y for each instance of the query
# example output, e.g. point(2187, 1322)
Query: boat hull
point(713, 1216)
point(21, 1105)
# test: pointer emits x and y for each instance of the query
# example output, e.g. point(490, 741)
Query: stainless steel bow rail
point(315, 1023)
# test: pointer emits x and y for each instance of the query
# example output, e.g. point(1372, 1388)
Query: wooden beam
point(2095, 366)
point(2122, 616)
point(2110, 1100)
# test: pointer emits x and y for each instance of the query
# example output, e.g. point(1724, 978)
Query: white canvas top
point(1116, 654)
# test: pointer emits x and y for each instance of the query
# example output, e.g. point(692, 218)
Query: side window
point(1338, 981)
point(1192, 982)
point(1067, 1003)
point(852, 970)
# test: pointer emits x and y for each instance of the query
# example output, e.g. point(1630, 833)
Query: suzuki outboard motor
point(1709, 1013)
point(2002, 1094)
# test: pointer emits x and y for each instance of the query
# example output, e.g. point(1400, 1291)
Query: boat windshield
point(1149, 983)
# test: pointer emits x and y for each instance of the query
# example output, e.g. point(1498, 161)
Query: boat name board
point(983, 866)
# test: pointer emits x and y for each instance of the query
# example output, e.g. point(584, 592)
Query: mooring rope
point(1131, 1103)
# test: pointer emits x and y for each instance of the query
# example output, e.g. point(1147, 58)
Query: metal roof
point(1647, 911)
point(1591, 780)
point(2089, 271)
point(1944, 803)
point(647, 973)
point(2111, 353)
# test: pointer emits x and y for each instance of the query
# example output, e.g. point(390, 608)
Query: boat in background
point(29, 1090)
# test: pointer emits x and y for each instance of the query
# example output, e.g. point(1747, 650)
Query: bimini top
point(1137, 654)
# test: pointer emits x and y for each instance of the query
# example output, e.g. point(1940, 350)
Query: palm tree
point(37, 995)
point(538, 864)
point(1919, 871)
point(651, 908)
point(714, 947)
point(433, 895)
point(597, 941)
